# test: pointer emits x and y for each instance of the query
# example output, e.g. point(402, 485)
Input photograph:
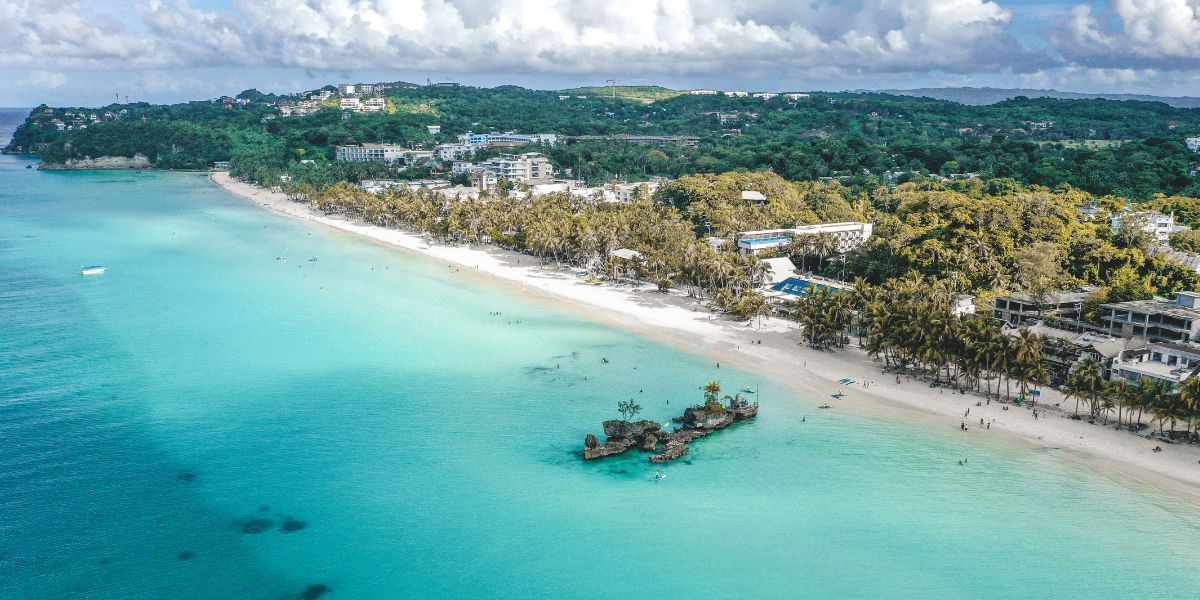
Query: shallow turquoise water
point(428, 447)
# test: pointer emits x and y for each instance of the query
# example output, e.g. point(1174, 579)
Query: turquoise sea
point(205, 421)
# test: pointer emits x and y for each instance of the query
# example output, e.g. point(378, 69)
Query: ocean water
point(160, 424)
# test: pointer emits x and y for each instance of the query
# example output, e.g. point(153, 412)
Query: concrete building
point(484, 180)
point(1158, 225)
point(1020, 309)
point(507, 139)
point(346, 89)
point(1064, 349)
point(531, 167)
point(765, 95)
point(753, 197)
point(1193, 143)
point(433, 129)
point(795, 96)
point(1164, 361)
point(369, 152)
point(848, 236)
point(1157, 321)
point(678, 140)
point(963, 305)
point(454, 151)
point(362, 104)
point(378, 185)
point(737, 94)
point(778, 270)
point(462, 167)
point(704, 92)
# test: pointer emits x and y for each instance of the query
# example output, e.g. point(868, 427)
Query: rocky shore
point(696, 422)
point(137, 161)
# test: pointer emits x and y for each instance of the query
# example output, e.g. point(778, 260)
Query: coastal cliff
point(136, 161)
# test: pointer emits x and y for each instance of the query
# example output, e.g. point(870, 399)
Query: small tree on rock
point(628, 409)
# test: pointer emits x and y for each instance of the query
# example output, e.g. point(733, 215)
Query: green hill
point(640, 93)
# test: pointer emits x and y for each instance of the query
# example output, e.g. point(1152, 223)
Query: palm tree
point(762, 309)
point(824, 246)
point(1088, 380)
point(1119, 390)
point(1189, 393)
point(712, 391)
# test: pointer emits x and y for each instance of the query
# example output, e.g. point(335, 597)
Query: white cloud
point(1133, 34)
point(61, 34)
point(551, 36)
point(46, 80)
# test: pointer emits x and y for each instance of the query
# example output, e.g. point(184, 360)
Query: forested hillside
point(1131, 149)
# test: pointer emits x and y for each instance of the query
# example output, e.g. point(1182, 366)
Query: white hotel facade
point(848, 236)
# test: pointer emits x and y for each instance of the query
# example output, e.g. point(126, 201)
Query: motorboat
point(92, 270)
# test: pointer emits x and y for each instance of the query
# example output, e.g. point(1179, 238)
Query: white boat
point(92, 270)
point(280, 258)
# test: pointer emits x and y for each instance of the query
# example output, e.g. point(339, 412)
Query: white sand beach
point(784, 357)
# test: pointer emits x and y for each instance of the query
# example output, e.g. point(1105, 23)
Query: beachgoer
point(803, 419)
point(962, 425)
point(989, 426)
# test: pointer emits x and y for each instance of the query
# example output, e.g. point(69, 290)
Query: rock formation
point(696, 422)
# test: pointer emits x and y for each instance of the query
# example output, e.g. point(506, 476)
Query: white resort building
point(1164, 361)
point(369, 152)
point(508, 139)
point(530, 167)
point(1158, 225)
point(848, 236)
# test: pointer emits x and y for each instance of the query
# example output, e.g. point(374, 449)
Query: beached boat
point(92, 270)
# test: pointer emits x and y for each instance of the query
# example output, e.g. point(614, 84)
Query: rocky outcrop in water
point(136, 161)
point(696, 422)
point(673, 451)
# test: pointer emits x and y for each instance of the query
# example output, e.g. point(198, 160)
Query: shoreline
point(781, 355)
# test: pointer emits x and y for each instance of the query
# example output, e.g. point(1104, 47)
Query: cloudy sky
point(85, 52)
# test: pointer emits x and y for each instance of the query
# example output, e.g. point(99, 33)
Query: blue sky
point(72, 52)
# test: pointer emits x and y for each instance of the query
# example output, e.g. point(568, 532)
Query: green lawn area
point(640, 93)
